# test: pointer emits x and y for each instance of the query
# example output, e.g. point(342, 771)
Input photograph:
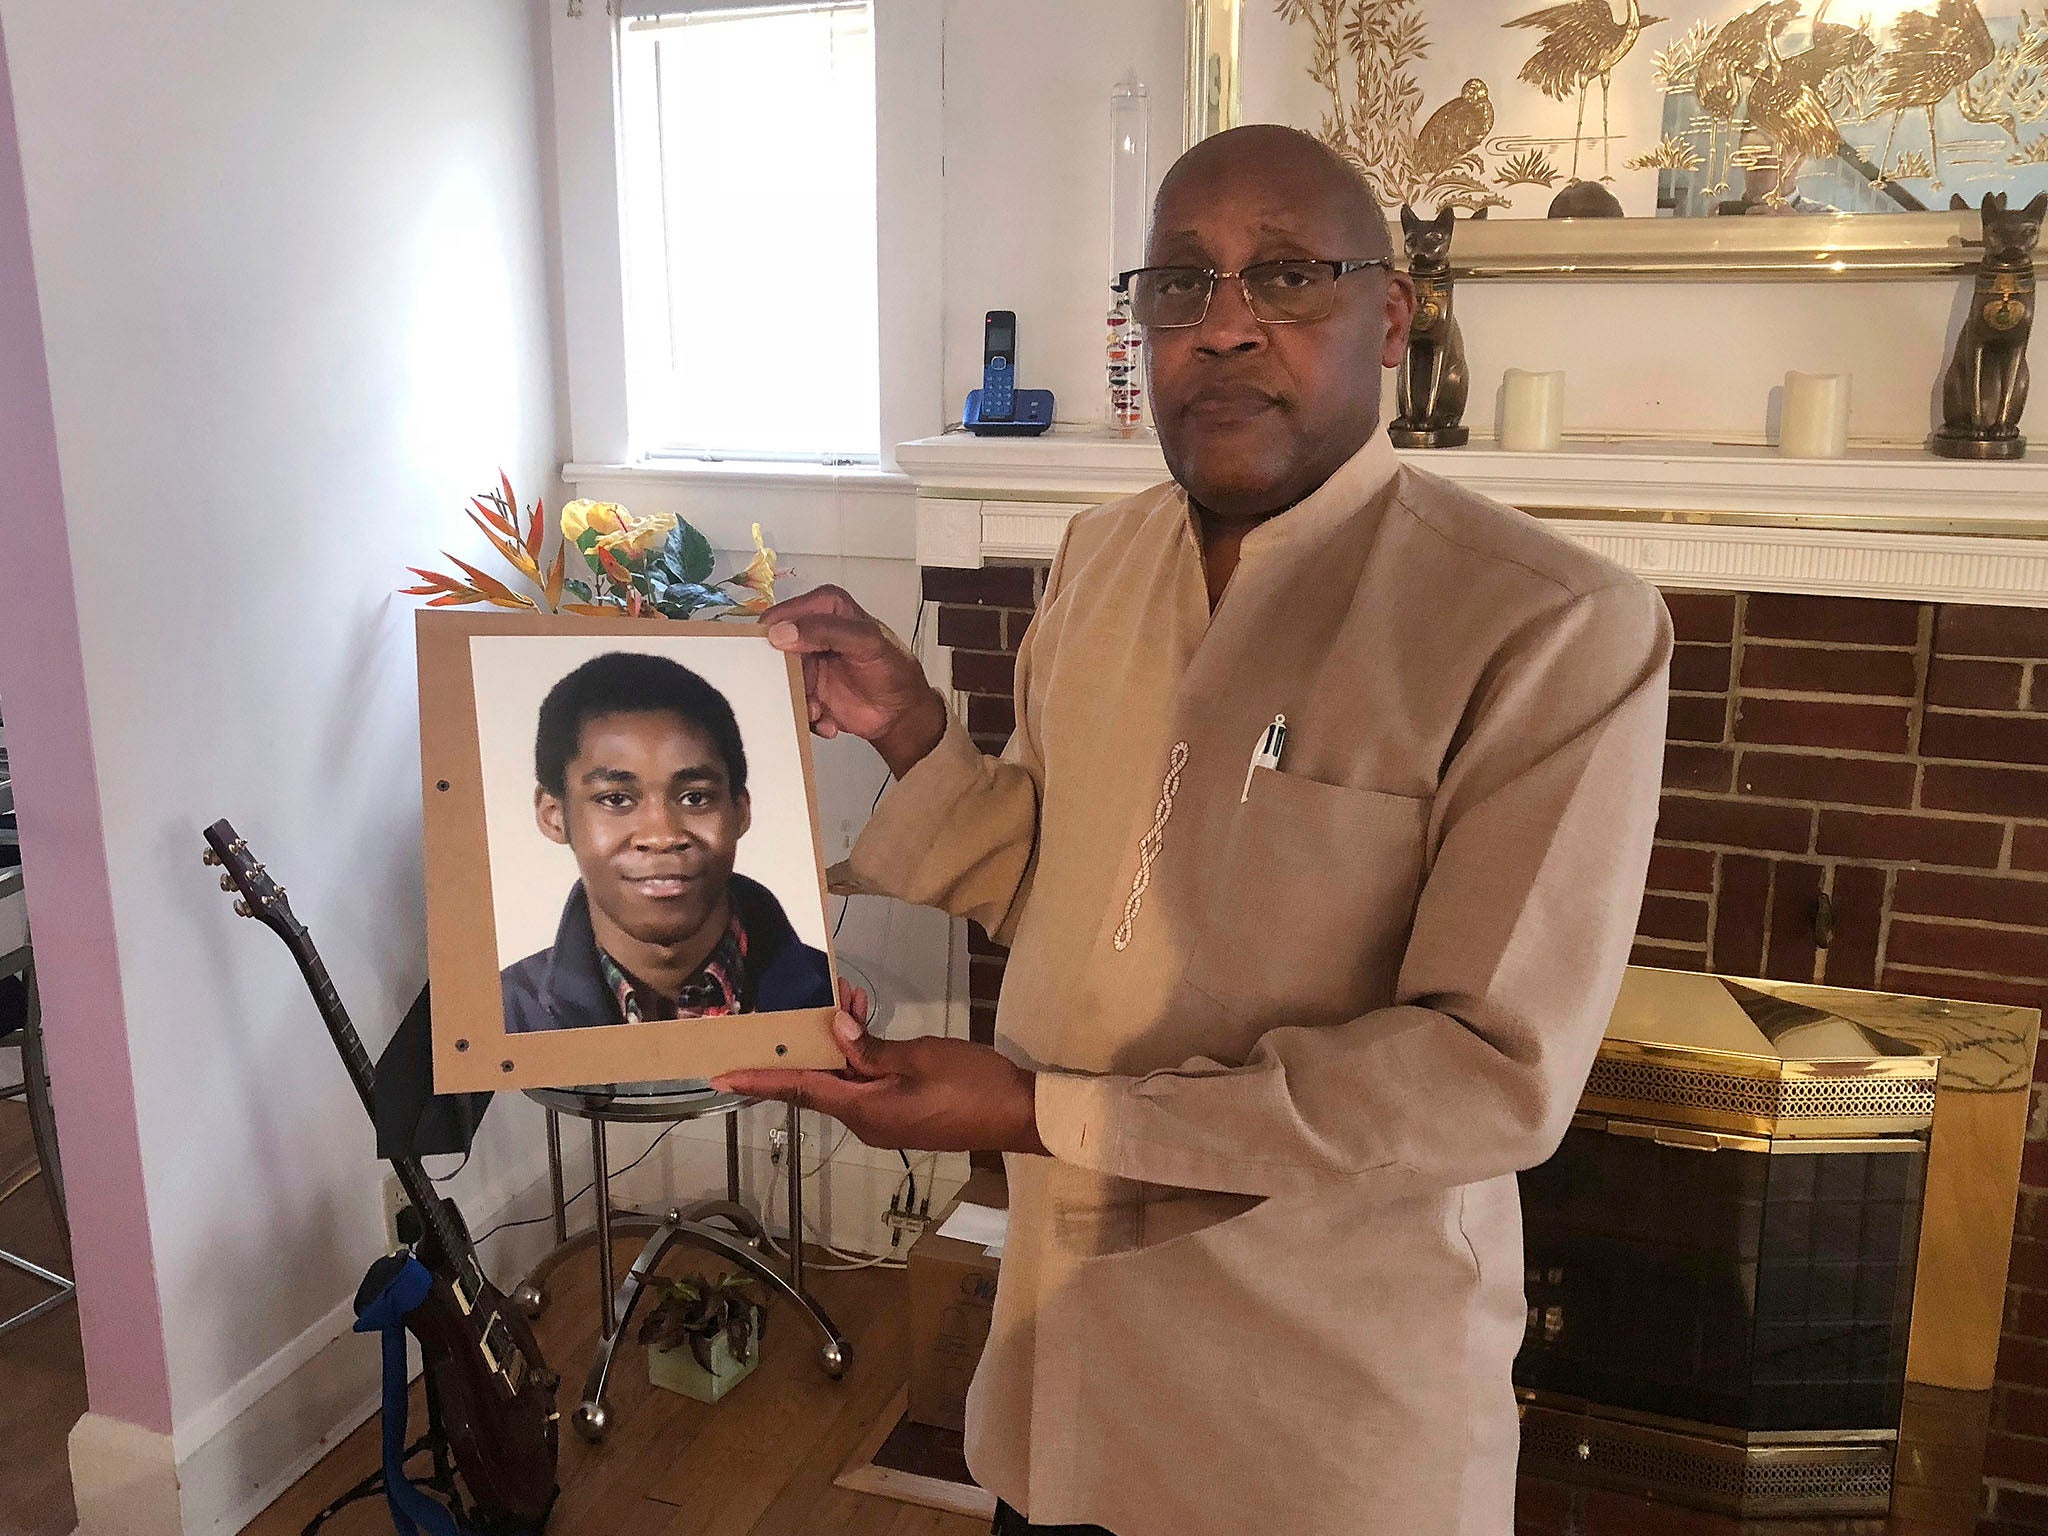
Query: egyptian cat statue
point(1985, 388)
point(1432, 381)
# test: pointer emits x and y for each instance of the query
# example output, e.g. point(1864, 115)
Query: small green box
point(677, 1369)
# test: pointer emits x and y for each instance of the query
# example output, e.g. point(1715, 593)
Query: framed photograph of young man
point(625, 880)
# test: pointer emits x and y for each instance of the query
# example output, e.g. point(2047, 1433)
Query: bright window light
point(748, 139)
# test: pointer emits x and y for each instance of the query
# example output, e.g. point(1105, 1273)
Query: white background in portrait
point(531, 876)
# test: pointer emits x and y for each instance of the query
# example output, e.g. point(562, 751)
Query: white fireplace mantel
point(1889, 522)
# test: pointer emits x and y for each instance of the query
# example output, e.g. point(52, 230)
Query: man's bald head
point(1254, 415)
point(1315, 174)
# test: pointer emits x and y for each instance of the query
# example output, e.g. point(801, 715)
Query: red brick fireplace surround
point(1855, 792)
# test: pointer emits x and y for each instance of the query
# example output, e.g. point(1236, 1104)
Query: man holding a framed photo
point(1319, 848)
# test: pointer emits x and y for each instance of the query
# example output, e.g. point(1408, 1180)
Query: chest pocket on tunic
point(1312, 891)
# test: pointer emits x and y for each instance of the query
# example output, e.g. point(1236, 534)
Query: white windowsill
point(834, 511)
point(758, 473)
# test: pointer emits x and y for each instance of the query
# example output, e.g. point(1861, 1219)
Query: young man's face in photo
point(648, 810)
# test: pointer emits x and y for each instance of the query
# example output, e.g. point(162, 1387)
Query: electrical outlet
point(778, 1143)
point(394, 1202)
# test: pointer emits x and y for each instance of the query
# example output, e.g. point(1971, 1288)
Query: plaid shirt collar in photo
point(716, 987)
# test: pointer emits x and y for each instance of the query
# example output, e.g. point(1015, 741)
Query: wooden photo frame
point(501, 891)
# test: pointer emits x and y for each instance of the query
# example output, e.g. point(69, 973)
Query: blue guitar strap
point(411, 1510)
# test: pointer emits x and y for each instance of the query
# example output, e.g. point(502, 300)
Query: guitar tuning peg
point(242, 909)
point(282, 891)
point(227, 883)
point(209, 857)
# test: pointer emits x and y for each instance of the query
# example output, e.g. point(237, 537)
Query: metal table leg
point(796, 1202)
point(592, 1418)
point(601, 1182)
point(530, 1296)
point(42, 1119)
point(732, 1158)
point(35, 1093)
point(64, 1291)
point(558, 1204)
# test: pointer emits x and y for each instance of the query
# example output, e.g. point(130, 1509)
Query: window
point(747, 150)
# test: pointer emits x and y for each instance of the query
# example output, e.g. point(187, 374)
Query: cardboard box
point(952, 1299)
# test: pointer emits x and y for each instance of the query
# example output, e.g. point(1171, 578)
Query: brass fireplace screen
point(1777, 1232)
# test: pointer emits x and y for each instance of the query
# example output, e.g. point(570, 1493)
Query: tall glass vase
point(1129, 190)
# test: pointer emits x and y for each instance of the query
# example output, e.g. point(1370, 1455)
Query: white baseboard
point(124, 1479)
point(128, 1481)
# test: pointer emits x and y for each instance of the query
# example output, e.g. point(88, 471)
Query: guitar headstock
point(260, 896)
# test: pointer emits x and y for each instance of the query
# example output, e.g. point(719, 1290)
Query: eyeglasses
point(1276, 292)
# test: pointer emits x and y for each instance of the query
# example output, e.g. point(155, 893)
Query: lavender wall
point(49, 743)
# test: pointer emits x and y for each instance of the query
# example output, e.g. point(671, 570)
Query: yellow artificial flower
point(640, 536)
point(759, 576)
point(593, 516)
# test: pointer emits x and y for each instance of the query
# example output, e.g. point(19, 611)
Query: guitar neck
point(419, 1188)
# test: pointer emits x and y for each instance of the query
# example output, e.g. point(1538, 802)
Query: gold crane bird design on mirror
point(1582, 42)
point(1711, 110)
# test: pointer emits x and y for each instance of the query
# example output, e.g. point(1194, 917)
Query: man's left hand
point(923, 1095)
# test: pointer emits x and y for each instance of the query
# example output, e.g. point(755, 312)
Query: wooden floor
point(40, 1363)
point(759, 1463)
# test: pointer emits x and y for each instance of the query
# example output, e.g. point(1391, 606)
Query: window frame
point(588, 216)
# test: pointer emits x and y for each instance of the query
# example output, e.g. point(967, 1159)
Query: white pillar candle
point(1815, 420)
point(1531, 411)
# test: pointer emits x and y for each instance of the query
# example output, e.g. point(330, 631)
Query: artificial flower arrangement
point(656, 566)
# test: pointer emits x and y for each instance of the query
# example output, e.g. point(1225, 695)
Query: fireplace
point(1856, 796)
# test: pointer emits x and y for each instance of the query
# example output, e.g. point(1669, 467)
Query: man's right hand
point(858, 677)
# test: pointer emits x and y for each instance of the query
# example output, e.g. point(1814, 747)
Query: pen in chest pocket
point(1265, 753)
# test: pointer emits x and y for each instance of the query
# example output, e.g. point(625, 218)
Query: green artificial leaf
point(690, 551)
point(580, 590)
point(700, 1348)
point(706, 597)
point(739, 1331)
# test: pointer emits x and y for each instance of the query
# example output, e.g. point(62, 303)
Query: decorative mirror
point(1780, 137)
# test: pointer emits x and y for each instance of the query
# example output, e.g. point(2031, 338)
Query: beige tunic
point(1294, 1043)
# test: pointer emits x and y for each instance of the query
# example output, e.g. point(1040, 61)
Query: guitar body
point(503, 1445)
point(497, 1394)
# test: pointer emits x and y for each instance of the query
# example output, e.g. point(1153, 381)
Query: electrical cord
point(531, 1221)
point(851, 1260)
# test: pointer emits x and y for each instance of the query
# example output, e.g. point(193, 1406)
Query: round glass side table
point(726, 1227)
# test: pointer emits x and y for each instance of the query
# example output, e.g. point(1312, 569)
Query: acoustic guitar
point(497, 1394)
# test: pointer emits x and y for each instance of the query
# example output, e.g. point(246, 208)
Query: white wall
point(1027, 228)
point(293, 268)
point(1027, 179)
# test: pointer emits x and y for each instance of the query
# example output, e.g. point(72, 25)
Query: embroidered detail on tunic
point(1150, 844)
